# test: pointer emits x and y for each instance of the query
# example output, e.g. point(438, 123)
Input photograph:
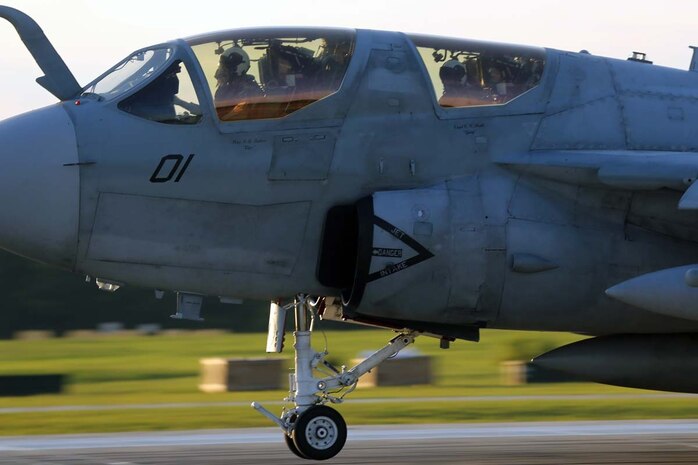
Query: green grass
point(122, 370)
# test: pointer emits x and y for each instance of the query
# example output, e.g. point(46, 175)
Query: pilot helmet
point(453, 71)
point(235, 60)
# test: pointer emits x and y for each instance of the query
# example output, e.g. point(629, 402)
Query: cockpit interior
point(466, 73)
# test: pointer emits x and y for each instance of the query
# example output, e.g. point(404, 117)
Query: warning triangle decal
point(421, 252)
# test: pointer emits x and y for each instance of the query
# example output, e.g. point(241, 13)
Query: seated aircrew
point(500, 86)
point(156, 101)
point(458, 92)
point(235, 89)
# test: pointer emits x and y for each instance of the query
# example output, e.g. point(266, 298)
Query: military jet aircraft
point(434, 186)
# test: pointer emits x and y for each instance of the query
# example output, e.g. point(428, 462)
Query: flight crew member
point(333, 62)
point(235, 89)
point(156, 101)
point(498, 84)
point(457, 91)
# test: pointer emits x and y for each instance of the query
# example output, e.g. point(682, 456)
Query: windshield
point(130, 73)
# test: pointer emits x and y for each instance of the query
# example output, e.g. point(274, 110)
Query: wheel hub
point(321, 433)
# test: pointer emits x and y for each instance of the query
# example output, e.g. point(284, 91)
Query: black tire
point(292, 446)
point(320, 433)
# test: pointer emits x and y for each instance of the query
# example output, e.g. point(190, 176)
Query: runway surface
point(640, 442)
point(376, 400)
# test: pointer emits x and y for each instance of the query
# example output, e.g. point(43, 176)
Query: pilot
point(156, 101)
point(333, 61)
point(497, 82)
point(233, 85)
point(457, 91)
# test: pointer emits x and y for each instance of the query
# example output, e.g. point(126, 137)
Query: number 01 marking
point(171, 162)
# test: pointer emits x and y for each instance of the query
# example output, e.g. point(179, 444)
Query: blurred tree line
point(36, 296)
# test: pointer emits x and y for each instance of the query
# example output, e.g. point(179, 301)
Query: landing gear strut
point(313, 430)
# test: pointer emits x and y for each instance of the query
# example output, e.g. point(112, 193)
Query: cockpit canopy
point(467, 73)
point(260, 74)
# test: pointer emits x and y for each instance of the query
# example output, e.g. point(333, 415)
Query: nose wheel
point(319, 434)
point(292, 447)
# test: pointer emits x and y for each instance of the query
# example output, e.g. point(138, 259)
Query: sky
point(92, 35)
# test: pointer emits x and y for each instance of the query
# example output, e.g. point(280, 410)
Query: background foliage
point(36, 296)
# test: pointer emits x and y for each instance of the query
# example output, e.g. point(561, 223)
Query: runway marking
point(392, 400)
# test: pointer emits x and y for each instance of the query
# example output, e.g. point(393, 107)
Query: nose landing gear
point(311, 429)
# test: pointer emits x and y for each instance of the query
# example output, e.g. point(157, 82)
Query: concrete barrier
point(149, 329)
point(33, 335)
point(110, 327)
point(81, 333)
point(516, 372)
point(403, 370)
point(89, 333)
point(243, 374)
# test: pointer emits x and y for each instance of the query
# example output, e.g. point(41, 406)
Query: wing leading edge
point(620, 169)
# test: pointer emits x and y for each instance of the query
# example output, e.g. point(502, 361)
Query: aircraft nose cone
point(39, 195)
